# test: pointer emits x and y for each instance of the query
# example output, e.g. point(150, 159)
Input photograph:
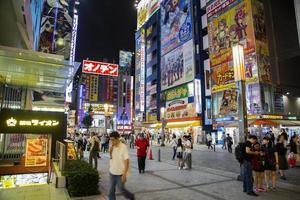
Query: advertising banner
point(100, 68)
point(222, 76)
point(229, 23)
point(225, 103)
point(36, 152)
point(142, 75)
point(176, 24)
point(179, 92)
point(137, 72)
point(125, 59)
point(262, 47)
point(177, 67)
point(93, 89)
point(179, 109)
point(145, 9)
point(56, 28)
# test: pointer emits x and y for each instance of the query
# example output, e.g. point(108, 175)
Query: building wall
point(291, 105)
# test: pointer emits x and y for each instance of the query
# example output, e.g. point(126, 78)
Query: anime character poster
point(145, 9)
point(262, 48)
point(177, 67)
point(176, 24)
point(229, 103)
point(56, 28)
point(222, 76)
point(228, 27)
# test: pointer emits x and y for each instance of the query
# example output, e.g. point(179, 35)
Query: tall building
point(169, 69)
point(252, 24)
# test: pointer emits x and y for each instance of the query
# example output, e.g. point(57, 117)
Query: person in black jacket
point(293, 143)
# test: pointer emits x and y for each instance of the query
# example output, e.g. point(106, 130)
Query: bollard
point(158, 156)
point(214, 147)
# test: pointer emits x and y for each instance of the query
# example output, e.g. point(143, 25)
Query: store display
point(71, 152)
point(36, 152)
point(11, 181)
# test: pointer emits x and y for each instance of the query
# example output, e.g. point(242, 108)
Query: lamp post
point(105, 116)
point(162, 117)
point(240, 79)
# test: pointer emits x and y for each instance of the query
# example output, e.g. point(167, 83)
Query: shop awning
point(36, 70)
point(275, 122)
point(179, 123)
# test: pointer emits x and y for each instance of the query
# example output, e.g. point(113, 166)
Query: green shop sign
point(177, 93)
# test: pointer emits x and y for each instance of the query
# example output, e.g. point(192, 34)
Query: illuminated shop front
point(27, 144)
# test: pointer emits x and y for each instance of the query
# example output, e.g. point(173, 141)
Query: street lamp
point(162, 117)
point(240, 79)
point(105, 116)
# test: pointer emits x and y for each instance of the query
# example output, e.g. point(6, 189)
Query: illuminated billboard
point(177, 67)
point(100, 68)
point(176, 24)
point(125, 58)
point(145, 9)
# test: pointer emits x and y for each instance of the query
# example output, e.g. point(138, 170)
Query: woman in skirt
point(282, 159)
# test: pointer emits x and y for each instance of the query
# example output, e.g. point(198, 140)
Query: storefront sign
point(177, 93)
point(225, 119)
point(272, 117)
point(20, 121)
point(100, 68)
point(179, 109)
point(36, 152)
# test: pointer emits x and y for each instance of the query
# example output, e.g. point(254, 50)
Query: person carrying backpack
point(94, 149)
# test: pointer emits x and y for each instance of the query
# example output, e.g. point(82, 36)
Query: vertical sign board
point(93, 88)
point(198, 102)
point(142, 75)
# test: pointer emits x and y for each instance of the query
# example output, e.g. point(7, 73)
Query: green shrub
point(82, 179)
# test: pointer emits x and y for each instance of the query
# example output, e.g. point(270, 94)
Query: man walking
point(229, 143)
point(247, 167)
point(141, 145)
point(94, 149)
point(118, 167)
point(224, 140)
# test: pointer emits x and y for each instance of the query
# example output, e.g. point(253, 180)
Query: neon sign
point(34, 122)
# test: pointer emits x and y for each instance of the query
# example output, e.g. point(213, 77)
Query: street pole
point(240, 79)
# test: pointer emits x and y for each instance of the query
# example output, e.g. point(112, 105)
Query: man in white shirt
point(118, 167)
point(187, 157)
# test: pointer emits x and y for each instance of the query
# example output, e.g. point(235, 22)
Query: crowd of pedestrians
point(264, 159)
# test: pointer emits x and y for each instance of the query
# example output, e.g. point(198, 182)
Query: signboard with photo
point(177, 67)
point(176, 24)
point(179, 109)
point(36, 152)
point(125, 59)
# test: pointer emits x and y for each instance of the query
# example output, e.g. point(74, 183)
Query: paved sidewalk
point(163, 181)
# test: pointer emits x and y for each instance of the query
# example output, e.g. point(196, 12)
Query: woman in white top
point(179, 153)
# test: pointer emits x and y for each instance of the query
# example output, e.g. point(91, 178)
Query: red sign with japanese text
point(100, 68)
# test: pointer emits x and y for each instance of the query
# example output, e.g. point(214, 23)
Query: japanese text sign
point(100, 68)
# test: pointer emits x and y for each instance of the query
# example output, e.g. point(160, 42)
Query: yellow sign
point(219, 88)
point(34, 122)
point(272, 117)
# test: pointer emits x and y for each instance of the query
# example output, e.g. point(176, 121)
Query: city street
point(213, 177)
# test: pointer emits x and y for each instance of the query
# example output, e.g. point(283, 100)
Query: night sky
point(104, 28)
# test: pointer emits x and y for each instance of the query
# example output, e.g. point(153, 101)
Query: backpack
point(96, 146)
point(240, 151)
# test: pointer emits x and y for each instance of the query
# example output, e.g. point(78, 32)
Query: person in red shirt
point(141, 145)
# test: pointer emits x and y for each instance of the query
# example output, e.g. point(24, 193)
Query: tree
point(88, 118)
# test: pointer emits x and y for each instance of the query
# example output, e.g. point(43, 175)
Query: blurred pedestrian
point(118, 167)
point(174, 145)
point(94, 149)
point(179, 154)
point(80, 146)
point(247, 166)
point(209, 141)
point(258, 167)
point(224, 140)
point(292, 158)
point(141, 144)
point(271, 163)
point(229, 143)
point(281, 151)
point(187, 156)
point(131, 140)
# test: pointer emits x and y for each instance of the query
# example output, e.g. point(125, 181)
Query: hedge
point(82, 179)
